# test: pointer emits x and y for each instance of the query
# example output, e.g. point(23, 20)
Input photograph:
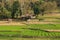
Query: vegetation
point(29, 30)
point(15, 10)
point(26, 32)
point(41, 10)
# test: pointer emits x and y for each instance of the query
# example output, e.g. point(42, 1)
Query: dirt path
point(41, 22)
point(23, 23)
point(52, 30)
point(10, 23)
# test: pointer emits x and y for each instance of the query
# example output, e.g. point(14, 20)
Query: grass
point(45, 26)
point(37, 26)
point(17, 32)
point(35, 30)
point(30, 39)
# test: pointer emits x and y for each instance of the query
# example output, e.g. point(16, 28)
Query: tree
point(35, 7)
point(18, 13)
point(15, 7)
point(58, 3)
point(5, 14)
point(48, 6)
point(7, 6)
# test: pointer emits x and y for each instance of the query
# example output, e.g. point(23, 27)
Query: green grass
point(30, 39)
point(37, 26)
point(45, 26)
point(29, 30)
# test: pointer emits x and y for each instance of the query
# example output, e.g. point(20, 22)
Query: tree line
point(16, 10)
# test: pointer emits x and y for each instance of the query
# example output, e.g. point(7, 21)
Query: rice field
point(29, 32)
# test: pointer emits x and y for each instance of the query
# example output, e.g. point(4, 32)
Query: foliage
point(15, 7)
point(48, 6)
point(5, 13)
point(18, 13)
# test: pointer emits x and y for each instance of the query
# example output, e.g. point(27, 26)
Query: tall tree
point(35, 7)
point(15, 7)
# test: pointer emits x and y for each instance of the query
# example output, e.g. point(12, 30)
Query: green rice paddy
point(29, 32)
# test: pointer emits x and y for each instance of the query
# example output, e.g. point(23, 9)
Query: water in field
point(29, 38)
